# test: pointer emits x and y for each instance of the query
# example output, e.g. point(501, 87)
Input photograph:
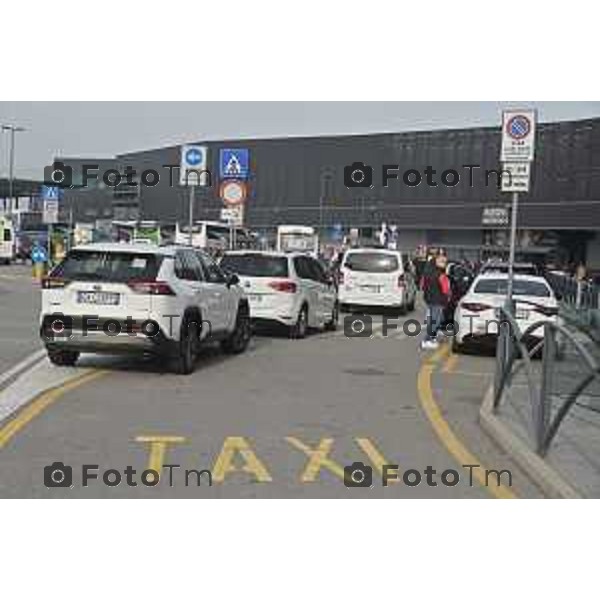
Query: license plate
point(371, 288)
point(522, 313)
point(109, 298)
point(254, 298)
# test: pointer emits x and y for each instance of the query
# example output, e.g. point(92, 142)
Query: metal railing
point(545, 418)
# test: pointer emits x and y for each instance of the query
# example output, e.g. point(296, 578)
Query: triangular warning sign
point(233, 166)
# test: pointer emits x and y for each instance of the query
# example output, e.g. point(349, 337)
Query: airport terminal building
point(301, 181)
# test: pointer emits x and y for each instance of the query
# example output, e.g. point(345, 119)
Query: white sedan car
point(292, 289)
point(477, 315)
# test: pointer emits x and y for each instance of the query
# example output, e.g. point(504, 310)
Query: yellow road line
point(443, 430)
point(450, 363)
point(40, 403)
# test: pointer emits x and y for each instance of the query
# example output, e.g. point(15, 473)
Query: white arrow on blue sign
point(39, 254)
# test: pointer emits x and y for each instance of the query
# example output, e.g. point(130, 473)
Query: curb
point(13, 373)
point(540, 472)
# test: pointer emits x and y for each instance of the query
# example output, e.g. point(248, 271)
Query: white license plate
point(375, 289)
point(109, 298)
point(254, 298)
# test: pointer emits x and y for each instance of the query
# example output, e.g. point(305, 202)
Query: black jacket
point(432, 288)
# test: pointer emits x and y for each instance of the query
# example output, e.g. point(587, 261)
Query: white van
point(7, 241)
point(377, 277)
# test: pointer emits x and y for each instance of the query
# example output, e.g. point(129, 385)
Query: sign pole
point(513, 244)
point(50, 244)
point(191, 211)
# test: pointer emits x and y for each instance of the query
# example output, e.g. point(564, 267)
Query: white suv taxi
point(141, 298)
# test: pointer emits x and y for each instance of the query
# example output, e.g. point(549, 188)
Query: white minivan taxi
point(292, 289)
point(377, 277)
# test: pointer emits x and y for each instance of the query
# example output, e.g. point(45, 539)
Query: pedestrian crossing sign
point(234, 163)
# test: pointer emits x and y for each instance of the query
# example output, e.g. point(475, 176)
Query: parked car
point(477, 314)
point(291, 289)
point(377, 277)
point(177, 297)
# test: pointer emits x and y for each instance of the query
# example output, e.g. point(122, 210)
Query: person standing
point(436, 294)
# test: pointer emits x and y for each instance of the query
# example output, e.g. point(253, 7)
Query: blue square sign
point(234, 163)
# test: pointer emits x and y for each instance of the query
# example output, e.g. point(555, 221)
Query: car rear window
point(520, 287)
point(373, 262)
point(108, 266)
point(255, 265)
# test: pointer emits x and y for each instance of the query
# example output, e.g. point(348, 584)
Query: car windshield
point(255, 265)
point(108, 266)
point(372, 262)
point(521, 287)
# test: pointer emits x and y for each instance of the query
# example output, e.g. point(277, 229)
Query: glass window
point(372, 262)
point(187, 266)
point(255, 265)
point(521, 287)
point(302, 266)
point(214, 274)
point(7, 237)
point(108, 266)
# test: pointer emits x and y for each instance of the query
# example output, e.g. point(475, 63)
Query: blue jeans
point(434, 318)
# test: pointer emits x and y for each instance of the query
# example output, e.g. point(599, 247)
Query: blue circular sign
point(518, 127)
point(193, 157)
point(38, 254)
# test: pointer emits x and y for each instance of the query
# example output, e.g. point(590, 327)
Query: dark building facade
point(301, 181)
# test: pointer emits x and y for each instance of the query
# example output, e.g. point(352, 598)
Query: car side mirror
point(233, 279)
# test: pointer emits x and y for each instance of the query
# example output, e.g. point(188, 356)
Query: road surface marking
point(441, 427)
point(225, 461)
point(318, 459)
point(158, 448)
point(450, 363)
point(22, 366)
point(41, 402)
point(377, 459)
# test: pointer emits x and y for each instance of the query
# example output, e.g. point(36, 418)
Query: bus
point(7, 240)
point(297, 238)
point(213, 236)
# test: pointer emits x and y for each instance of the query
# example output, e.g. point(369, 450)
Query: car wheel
point(335, 316)
point(457, 348)
point(184, 361)
point(299, 329)
point(239, 339)
point(62, 358)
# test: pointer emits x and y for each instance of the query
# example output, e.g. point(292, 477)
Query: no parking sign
point(518, 136)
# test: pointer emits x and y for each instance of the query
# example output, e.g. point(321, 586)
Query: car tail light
point(153, 288)
point(284, 286)
point(49, 283)
point(401, 281)
point(475, 306)
point(547, 311)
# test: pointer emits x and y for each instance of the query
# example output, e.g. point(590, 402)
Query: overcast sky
point(103, 129)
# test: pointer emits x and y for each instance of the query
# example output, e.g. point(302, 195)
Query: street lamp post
point(11, 164)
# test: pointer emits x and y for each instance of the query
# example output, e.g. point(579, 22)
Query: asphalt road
point(281, 420)
point(19, 308)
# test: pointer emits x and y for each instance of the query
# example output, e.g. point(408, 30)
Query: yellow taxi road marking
point(158, 448)
point(375, 456)
point(318, 459)
point(41, 402)
point(450, 363)
point(233, 446)
point(441, 427)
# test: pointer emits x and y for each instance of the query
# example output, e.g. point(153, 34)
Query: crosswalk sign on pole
point(234, 163)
